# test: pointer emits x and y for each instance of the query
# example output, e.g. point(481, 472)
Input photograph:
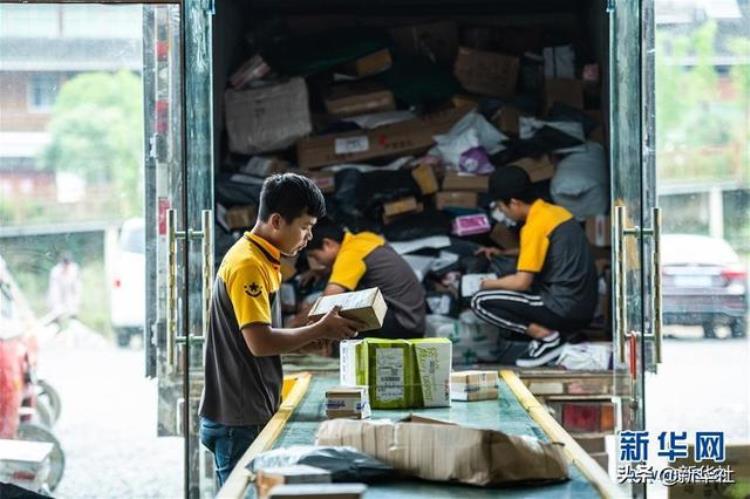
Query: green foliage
point(699, 135)
point(97, 132)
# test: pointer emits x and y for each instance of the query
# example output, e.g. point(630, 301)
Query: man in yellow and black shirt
point(243, 375)
point(364, 260)
point(554, 289)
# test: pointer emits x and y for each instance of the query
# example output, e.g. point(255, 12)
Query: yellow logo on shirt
point(253, 290)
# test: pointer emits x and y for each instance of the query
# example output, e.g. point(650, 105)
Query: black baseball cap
point(509, 182)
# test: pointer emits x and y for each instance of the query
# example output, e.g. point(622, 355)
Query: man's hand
point(489, 252)
point(335, 327)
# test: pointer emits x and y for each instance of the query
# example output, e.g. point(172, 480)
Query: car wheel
point(709, 330)
point(37, 433)
point(738, 328)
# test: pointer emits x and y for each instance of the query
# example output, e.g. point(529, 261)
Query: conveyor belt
point(505, 414)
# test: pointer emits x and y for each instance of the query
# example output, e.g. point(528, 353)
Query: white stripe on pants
point(479, 301)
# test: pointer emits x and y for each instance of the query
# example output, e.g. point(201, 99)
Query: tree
point(97, 132)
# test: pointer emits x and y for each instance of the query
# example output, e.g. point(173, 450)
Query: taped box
point(437, 450)
point(401, 206)
point(366, 306)
point(371, 64)
point(474, 385)
point(424, 176)
point(445, 200)
point(399, 139)
point(267, 479)
point(539, 169)
point(471, 183)
point(351, 100)
point(399, 373)
point(348, 402)
point(487, 73)
point(267, 118)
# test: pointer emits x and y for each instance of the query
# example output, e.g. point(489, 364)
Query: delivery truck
point(235, 91)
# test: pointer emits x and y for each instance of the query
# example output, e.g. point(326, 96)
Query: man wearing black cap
point(554, 289)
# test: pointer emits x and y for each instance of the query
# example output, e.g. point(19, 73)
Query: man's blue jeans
point(227, 443)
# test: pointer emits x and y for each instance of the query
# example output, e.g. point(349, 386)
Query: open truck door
point(636, 219)
point(179, 219)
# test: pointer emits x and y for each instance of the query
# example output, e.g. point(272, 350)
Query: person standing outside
point(64, 291)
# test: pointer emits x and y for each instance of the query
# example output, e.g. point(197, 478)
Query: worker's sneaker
point(542, 351)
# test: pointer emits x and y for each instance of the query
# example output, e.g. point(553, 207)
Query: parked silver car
point(704, 283)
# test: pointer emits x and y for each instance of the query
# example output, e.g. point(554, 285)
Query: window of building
point(43, 90)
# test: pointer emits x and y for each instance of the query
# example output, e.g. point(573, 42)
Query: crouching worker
point(364, 260)
point(243, 375)
point(554, 290)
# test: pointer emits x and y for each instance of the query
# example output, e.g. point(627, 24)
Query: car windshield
point(679, 249)
point(132, 238)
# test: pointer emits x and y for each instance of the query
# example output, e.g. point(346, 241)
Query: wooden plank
point(238, 480)
point(588, 466)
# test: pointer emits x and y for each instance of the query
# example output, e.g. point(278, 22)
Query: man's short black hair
point(291, 196)
point(511, 182)
point(326, 228)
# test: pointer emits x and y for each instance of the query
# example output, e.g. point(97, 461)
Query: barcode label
point(349, 145)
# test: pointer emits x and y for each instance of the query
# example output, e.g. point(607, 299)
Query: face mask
point(499, 216)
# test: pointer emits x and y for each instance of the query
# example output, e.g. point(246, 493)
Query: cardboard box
point(599, 231)
point(437, 450)
point(351, 100)
point(319, 491)
point(405, 205)
point(564, 91)
point(475, 378)
point(584, 416)
point(475, 395)
point(348, 402)
point(538, 169)
point(504, 237)
point(445, 200)
point(241, 217)
point(366, 306)
point(371, 64)
point(267, 118)
point(261, 166)
point(424, 176)
point(506, 120)
point(326, 181)
point(437, 41)
point(487, 73)
point(474, 385)
point(399, 373)
point(471, 183)
point(269, 478)
point(470, 225)
point(407, 137)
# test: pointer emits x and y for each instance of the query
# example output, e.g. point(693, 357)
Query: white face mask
point(499, 216)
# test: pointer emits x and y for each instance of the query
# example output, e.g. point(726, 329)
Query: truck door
point(179, 220)
point(635, 224)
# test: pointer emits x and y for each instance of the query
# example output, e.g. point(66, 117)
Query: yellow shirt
point(252, 274)
point(543, 218)
point(350, 266)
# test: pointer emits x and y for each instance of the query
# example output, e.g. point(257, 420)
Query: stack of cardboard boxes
point(361, 114)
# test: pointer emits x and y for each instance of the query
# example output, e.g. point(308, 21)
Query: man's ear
point(275, 220)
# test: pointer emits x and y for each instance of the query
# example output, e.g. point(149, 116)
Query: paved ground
point(108, 423)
